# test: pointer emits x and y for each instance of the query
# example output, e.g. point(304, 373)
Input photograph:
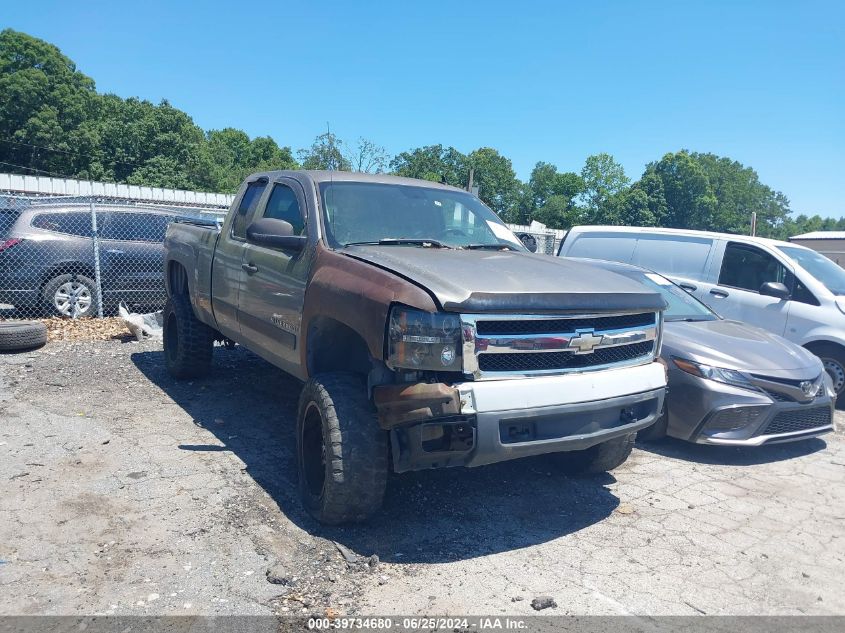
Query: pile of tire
point(19, 336)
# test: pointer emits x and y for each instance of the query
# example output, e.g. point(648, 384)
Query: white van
point(782, 287)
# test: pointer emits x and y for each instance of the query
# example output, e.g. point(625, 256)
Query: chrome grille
point(498, 345)
point(798, 420)
point(563, 360)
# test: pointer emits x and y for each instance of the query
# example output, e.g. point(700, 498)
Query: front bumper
point(709, 412)
point(499, 420)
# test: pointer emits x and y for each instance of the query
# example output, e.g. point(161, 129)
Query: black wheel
point(656, 431)
point(833, 359)
point(188, 342)
point(71, 295)
point(599, 458)
point(16, 336)
point(342, 451)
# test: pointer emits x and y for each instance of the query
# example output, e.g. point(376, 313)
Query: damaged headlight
point(423, 340)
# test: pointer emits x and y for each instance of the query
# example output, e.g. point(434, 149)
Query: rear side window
point(615, 247)
point(136, 227)
point(246, 209)
point(748, 268)
point(283, 205)
point(681, 255)
point(78, 224)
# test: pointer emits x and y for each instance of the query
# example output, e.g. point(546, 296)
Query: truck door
point(227, 275)
point(273, 293)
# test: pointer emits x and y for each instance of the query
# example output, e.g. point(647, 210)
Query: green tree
point(690, 201)
point(433, 162)
point(603, 178)
point(498, 186)
point(549, 196)
point(367, 157)
point(326, 152)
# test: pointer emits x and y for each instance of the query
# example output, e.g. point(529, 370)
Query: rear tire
point(599, 458)
point(342, 452)
point(17, 336)
point(188, 342)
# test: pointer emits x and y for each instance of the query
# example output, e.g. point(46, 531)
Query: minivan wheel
point(342, 453)
point(69, 291)
point(833, 359)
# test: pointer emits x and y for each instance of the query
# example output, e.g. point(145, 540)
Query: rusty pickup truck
point(425, 333)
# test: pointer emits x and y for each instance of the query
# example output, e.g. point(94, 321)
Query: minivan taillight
point(7, 244)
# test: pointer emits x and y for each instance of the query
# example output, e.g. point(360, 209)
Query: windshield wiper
point(401, 241)
point(486, 247)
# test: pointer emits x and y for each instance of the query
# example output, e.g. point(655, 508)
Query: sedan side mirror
point(274, 233)
point(774, 289)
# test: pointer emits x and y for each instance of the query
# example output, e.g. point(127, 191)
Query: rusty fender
point(418, 402)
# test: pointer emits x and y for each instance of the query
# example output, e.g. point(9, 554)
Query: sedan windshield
point(682, 305)
point(819, 266)
point(402, 215)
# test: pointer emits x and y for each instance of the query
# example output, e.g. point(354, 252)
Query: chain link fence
point(537, 239)
point(83, 256)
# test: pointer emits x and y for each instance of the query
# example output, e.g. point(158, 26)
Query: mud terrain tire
point(599, 458)
point(188, 342)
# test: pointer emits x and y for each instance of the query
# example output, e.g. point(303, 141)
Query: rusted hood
point(508, 281)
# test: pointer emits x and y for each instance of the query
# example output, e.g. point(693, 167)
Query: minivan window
point(819, 266)
point(283, 205)
point(135, 227)
point(246, 208)
point(614, 247)
point(748, 268)
point(680, 255)
point(78, 224)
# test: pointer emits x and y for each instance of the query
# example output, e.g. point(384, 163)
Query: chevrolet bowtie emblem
point(585, 342)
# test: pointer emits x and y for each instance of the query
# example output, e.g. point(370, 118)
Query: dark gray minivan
point(47, 257)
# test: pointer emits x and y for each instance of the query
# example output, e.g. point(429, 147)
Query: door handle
point(721, 294)
point(250, 269)
point(689, 287)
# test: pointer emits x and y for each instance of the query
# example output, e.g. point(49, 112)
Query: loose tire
point(342, 452)
point(18, 336)
point(656, 431)
point(599, 458)
point(60, 294)
point(188, 342)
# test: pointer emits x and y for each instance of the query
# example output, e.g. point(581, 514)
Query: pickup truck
point(425, 333)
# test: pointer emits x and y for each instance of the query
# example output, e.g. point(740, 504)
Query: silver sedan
point(732, 383)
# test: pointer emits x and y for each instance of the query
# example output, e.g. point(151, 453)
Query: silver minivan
point(785, 288)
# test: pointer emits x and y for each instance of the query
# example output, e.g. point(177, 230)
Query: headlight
point(719, 374)
point(423, 340)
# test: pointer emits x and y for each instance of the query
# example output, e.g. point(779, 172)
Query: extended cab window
point(283, 205)
point(748, 268)
point(246, 209)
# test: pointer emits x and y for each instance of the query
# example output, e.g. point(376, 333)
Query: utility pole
point(471, 176)
point(753, 223)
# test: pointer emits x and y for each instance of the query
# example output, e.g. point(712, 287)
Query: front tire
point(342, 452)
point(656, 431)
point(599, 458)
point(71, 295)
point(188, 342)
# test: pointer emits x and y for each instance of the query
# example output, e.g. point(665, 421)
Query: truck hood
point(509, 281)
point(735, 345)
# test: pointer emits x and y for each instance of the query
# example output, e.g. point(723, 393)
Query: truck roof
point(318, 176)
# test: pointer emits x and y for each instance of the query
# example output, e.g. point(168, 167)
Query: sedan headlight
point(719, 374)
point(424, 340)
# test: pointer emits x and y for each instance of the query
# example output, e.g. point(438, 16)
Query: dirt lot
point(127, 493)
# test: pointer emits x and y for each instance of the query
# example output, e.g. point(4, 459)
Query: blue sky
point(761, 82)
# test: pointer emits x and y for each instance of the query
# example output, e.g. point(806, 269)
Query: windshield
point(369, 213)
point(819, 266)
point(682, 305)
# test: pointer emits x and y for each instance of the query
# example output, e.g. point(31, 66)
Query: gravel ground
point(128, 493)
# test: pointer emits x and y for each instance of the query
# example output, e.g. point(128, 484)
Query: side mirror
point(528, 241)
point(274, 233)
point(774, 289)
